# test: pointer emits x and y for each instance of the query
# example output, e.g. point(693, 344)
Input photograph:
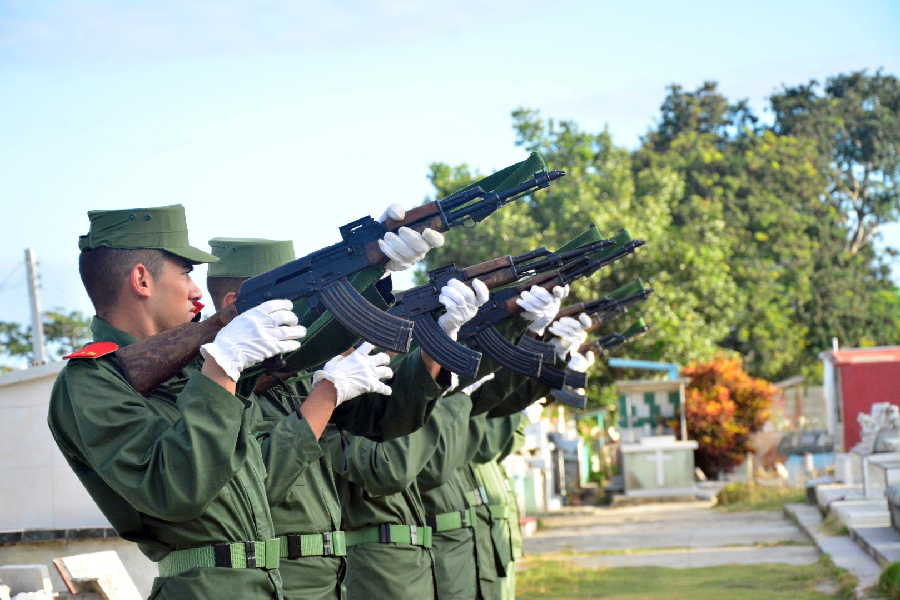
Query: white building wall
point(38, 490)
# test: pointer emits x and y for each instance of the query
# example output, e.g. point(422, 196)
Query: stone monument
point(875, 464)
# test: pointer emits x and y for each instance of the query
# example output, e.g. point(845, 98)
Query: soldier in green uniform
point(301, 484)
point(388, 537)
point(505, 435)
point(178, 471)
point(474, 513)
point(387, 534)
point(180, 468)
point(454, 503)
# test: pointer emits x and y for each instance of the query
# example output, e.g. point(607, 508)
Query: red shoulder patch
point(95, 350)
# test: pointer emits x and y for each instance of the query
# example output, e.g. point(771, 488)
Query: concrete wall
point(38, 491)
point(37, 488)
point(141, 570)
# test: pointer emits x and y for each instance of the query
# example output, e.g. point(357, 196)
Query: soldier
point(473, 512)
point(388, 538)
point(178, 471)
point(300, 479)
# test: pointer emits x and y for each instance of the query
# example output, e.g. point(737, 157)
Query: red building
point(854, 380)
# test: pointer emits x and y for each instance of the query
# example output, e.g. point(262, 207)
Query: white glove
point(394, 212)
point(461, 302)
point(540, 306)
point(569, 334)
point(406, 247)
point(580, 362)
point(253, 336)
point(357, 373)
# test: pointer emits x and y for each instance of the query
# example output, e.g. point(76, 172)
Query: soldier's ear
point(140, 280)
point(229, 299)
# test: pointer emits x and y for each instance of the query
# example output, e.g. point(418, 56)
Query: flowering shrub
point(723, 407)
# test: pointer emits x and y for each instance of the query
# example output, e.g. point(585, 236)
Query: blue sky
point(285, 119)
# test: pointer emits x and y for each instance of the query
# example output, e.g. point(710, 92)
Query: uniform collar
point(104, 332)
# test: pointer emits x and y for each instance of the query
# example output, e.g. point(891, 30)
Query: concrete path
point(690, 535)
point(845, 553)
point(685, 525)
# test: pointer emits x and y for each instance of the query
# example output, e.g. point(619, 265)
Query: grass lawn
point(555, 579)
point(739, 497)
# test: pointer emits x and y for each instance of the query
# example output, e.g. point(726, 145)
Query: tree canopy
point(760, 236)
point(63, 332)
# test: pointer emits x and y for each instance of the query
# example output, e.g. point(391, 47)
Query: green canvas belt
point(479, 497)
point(329, 543)
point(236, 555)
point(416, 535)
point(453, 520)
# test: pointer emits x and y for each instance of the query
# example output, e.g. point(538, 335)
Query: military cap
point(248, 257)
point(156, 228)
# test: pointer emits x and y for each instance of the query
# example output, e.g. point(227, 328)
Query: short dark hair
point(104, 270)
point(218, 287)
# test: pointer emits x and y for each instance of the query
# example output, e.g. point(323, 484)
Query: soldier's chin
point(182, 319)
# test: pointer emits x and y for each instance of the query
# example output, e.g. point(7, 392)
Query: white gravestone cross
point(660, 458)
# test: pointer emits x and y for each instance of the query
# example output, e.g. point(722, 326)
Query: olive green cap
point(156, 228)
point(248, 257)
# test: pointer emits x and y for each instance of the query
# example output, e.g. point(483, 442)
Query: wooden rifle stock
point(418, 219)
point(151, 361)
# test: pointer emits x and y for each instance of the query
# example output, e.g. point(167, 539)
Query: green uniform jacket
point(499, 534)
point(301, 480)
point(302, 492)
point(456, 575)
point(381, 418)
point(379, 487)
point(492, 538)
point(178, 469)
point(459, 567)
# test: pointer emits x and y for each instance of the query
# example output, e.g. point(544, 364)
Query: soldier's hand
point(357, 373)
point(569, 334)
point(581, 362)
point(406, 247)
point(540, 306)
point(461, 302)
point(253, 336)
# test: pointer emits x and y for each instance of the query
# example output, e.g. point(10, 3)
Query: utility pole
point(37, 325)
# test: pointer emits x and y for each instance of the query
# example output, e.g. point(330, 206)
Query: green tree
point(856, 124)
point(63, 333)
point(752, 242)
point(690, 308)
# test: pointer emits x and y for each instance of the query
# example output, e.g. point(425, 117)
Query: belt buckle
point(250, 553)
point(384, 533)
point(327, 549)
point(222, 555)
point(294, 547)
point(413, 535)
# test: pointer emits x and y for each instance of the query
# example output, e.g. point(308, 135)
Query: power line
point(9, 276)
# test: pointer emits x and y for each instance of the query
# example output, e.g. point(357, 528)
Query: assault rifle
point(599, 310)
point(319, 280)
point(603, 344)
point(481, 332)
point(611, 340)
point(420, 303)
